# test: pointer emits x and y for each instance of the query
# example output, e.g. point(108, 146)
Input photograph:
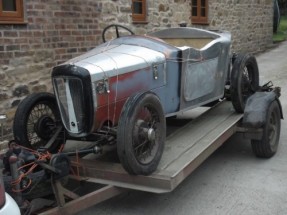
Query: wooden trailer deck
point(185, 150)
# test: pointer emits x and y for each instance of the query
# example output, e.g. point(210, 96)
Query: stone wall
point(161, 14)
point(57, 30)
point(249, 21)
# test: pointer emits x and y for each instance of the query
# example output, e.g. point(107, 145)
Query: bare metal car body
point(184, 67)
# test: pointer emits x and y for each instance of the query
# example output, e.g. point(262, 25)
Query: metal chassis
point(117, 181)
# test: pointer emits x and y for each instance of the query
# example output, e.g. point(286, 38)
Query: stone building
point(36, 35)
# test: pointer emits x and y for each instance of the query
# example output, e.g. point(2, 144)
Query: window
point(11, 11)
point(139, 12)
point(199, 9)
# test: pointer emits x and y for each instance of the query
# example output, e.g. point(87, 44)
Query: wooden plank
point(199, 145)
point(189, 161)
point(184, 138)
point(114, 174)
point(185, 150)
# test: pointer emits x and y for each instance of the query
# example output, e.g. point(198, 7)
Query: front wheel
point(267, 146)
point(36, 121)
point(141, 134)
point(244, 80)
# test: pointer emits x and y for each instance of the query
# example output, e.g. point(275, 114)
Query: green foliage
point(281, 34)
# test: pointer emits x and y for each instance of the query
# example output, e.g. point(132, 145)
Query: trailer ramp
point(184, 151)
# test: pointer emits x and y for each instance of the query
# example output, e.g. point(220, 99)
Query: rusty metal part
point(94, 150)
point(56, 134)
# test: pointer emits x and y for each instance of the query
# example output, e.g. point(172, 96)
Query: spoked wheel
point(267, 146)
point(37, 121)
point(141, 134)
point(244, 80)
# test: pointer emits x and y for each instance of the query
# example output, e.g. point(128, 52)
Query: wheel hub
point(44, 127)
point(151, 134)
point(145, 131)
point(145, 137)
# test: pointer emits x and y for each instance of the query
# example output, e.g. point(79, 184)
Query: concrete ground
point(232, 181)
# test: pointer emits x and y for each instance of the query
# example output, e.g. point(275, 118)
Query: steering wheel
point(117, 30)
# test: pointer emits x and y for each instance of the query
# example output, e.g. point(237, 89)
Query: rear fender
point(256, 109)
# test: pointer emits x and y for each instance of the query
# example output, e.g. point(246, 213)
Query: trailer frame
point(220, 123)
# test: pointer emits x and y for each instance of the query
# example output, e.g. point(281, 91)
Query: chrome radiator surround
point(73, 90)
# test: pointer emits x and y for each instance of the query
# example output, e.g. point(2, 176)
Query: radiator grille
point(70, 96)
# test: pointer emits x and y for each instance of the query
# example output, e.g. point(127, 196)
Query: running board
point(184, 151)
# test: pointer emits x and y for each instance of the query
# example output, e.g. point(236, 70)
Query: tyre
point(244, 80)
point(267, 146)
point(36, 120)
point(141, 134)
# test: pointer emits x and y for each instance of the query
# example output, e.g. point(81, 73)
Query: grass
point(281, 34)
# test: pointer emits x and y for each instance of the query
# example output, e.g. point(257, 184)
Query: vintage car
point(122, 91)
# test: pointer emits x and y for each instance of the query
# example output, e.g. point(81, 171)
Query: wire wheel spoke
point(40, 125)
point(35, 122)
point(140, 150)
point(144, 133)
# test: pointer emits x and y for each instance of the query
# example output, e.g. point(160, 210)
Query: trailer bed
point(185, 150)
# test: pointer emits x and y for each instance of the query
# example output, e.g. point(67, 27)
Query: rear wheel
point(244, 80)
point(267, 146)
point(37, 120)
point(141, 134)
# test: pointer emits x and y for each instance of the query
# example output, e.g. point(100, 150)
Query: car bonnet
point(117, 59)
